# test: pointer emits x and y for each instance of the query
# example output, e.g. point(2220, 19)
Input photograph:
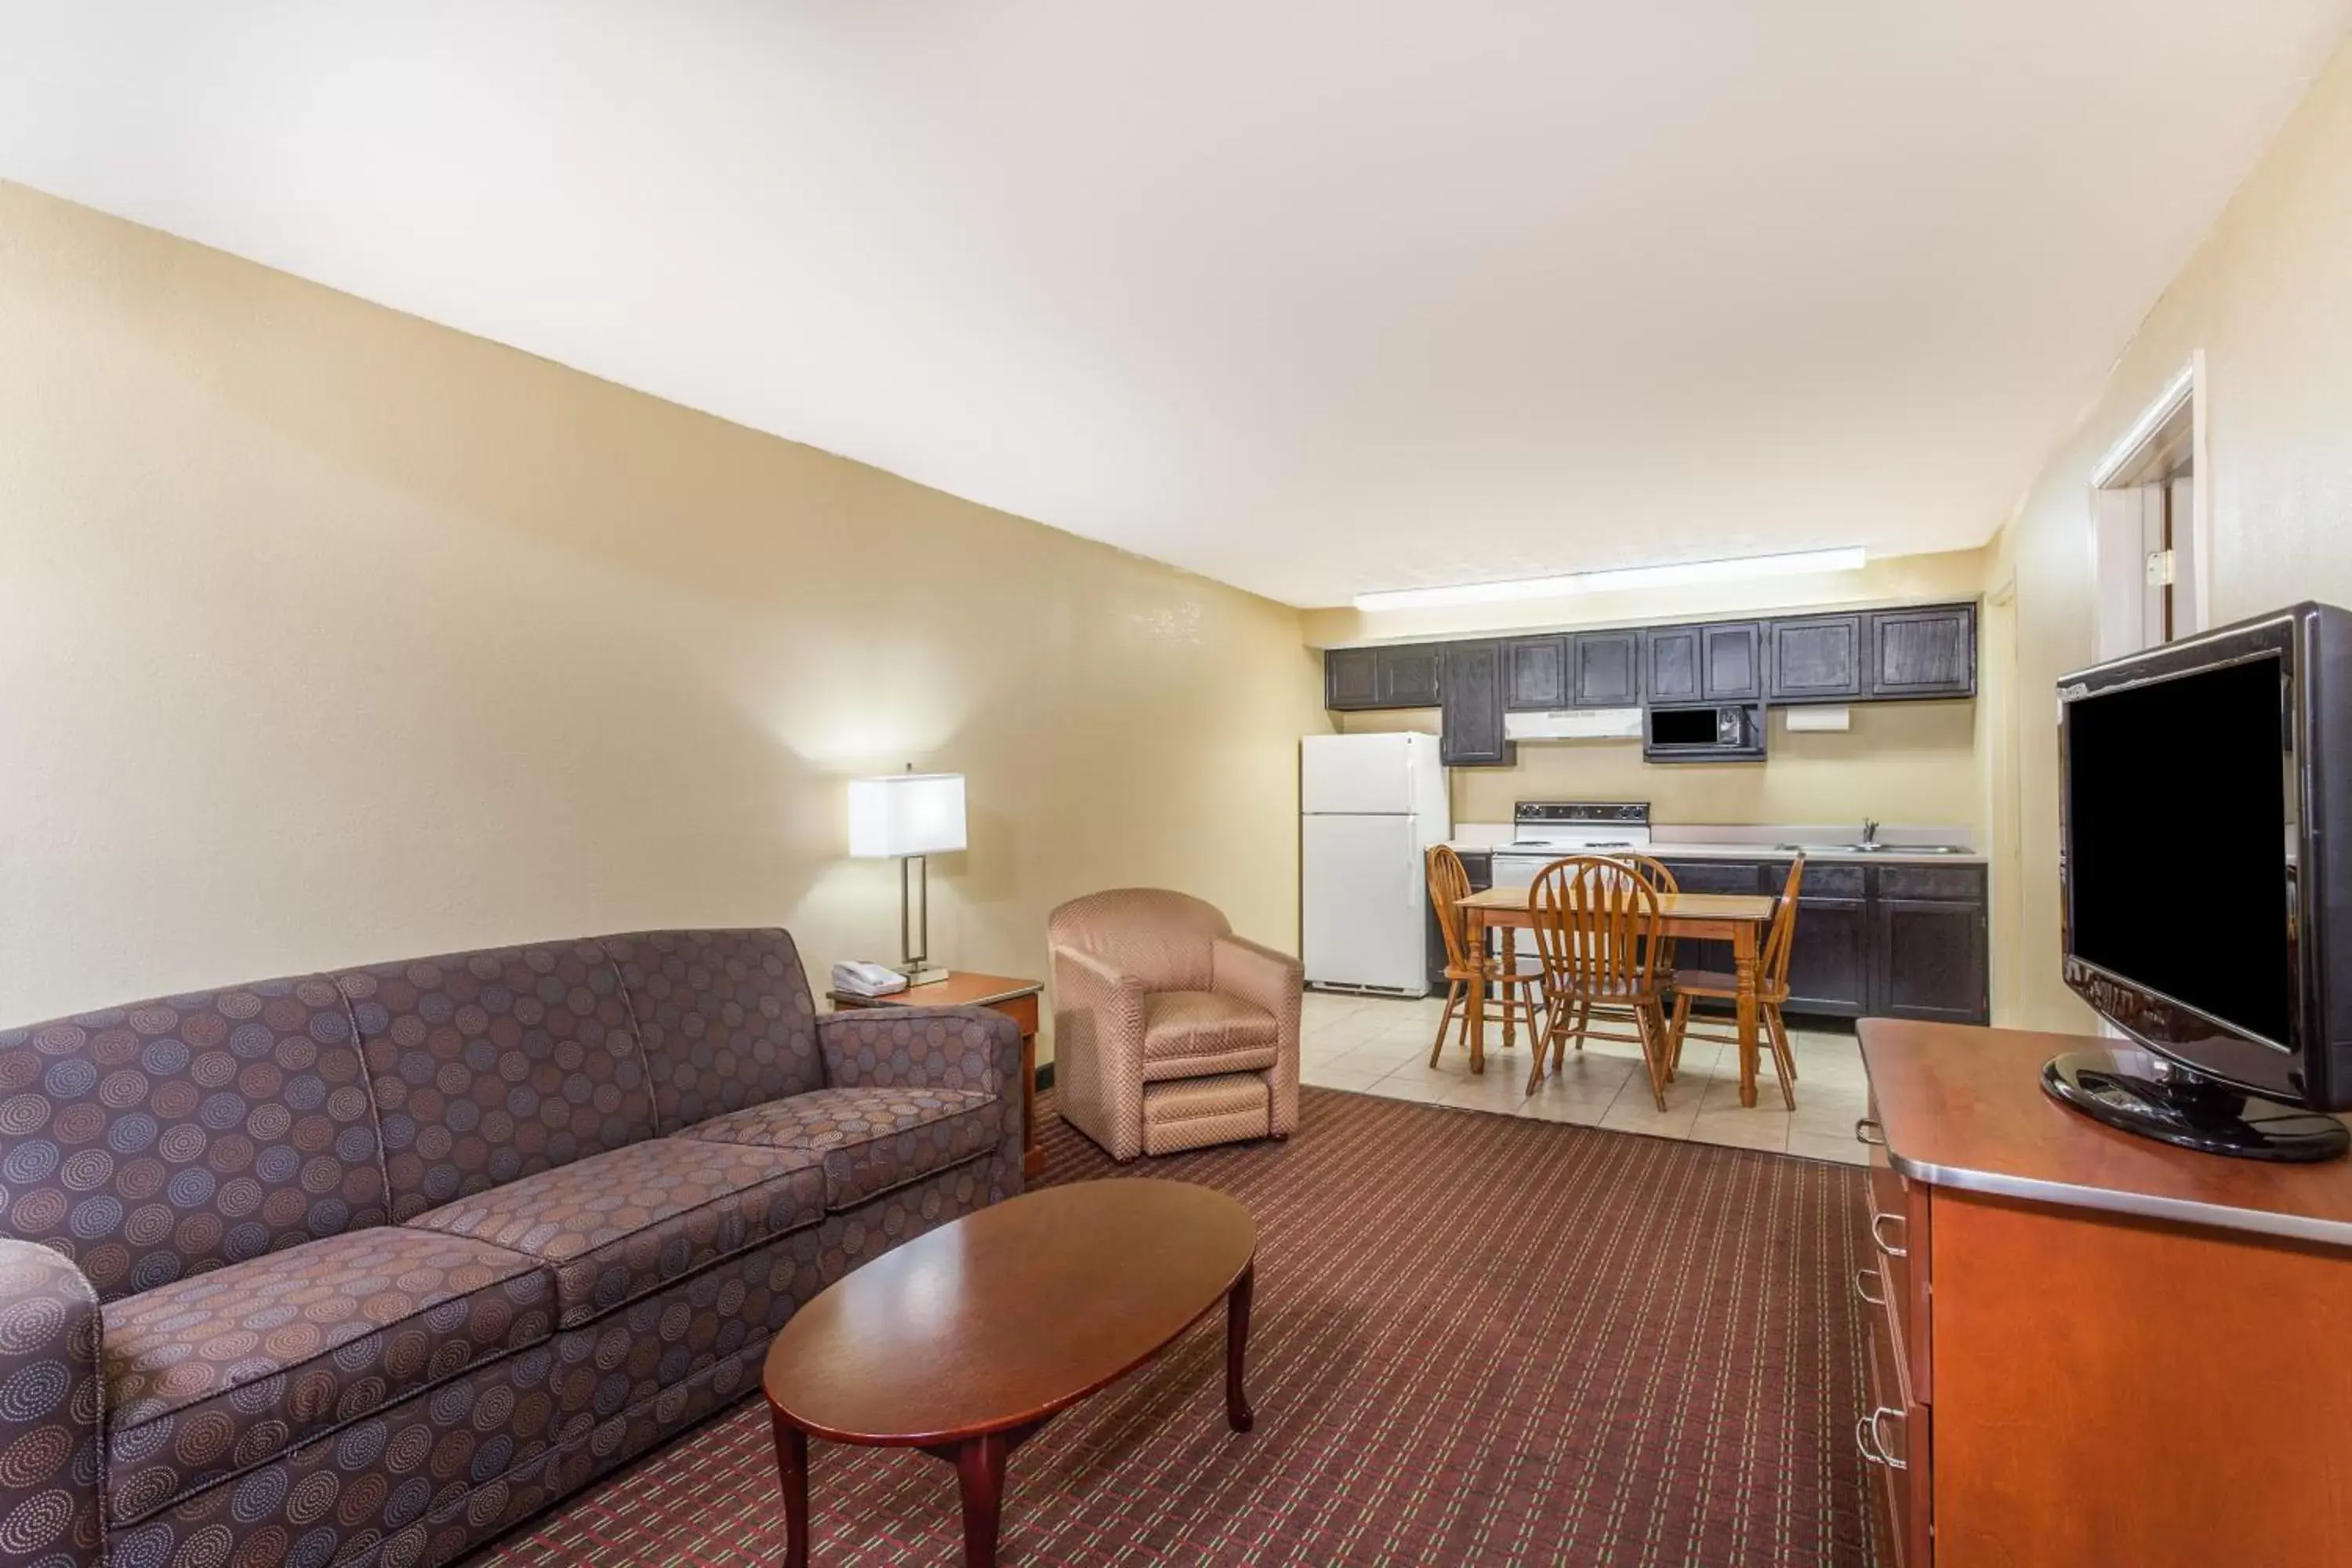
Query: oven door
point(1517, 868)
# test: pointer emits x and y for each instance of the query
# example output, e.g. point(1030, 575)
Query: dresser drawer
point(1892, 1438)
point(1934, 884)
point(1743, 877)
point(1828, 880)
point(1897, 1213)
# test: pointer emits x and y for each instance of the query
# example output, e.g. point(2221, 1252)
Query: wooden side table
point(1016, 999)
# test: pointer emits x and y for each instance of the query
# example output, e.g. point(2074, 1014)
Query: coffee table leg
point(980, 1468)
point(793, 1470)
point(791, 1466)
point(1238, 1413)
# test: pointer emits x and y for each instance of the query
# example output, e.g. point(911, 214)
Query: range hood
point(1575, 724)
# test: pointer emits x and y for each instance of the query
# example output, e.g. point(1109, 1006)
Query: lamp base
point(919, 972)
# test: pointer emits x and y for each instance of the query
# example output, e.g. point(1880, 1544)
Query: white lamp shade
point(906, 814)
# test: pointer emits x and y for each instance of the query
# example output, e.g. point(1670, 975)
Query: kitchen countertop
point(1711, 850)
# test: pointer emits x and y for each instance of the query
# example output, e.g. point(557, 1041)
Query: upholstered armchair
point(1169, 1032)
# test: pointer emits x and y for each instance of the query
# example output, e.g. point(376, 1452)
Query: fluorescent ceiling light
point(1673, 574)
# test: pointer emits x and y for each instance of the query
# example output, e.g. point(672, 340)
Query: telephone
point(861, 979)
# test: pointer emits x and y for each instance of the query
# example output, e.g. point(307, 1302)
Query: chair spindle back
point(1597, 925)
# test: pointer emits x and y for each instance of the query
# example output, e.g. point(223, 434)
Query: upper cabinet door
point(1670, 664)
point(1929, 652)
point(1730, 653)
point(1608, 670)
point(1350, 678)
point(1408, 675)
point(1816, 660)
point(1535, 672)
point(1470, 728)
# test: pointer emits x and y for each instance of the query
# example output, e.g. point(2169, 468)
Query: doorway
point(2148, 524)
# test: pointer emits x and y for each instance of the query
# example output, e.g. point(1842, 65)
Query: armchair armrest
point(49, 1426)
point(1273, 981)
point(922, 1048)
point(1098, 1049)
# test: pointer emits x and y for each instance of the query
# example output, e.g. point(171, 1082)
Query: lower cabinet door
point(1829, 958)
point(1929, 961)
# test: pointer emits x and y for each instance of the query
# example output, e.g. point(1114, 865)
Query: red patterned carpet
point(1476, 1340)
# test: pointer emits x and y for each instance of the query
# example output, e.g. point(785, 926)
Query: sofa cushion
point(871, 1139)
point(1190, 1032)
point(489, 1065)
point(211, 1375)
point(618, 1225)
point(154, 1142)
point(725, 1018)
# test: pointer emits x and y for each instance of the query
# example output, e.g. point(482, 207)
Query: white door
point(1355, 774)
point(1364, 900)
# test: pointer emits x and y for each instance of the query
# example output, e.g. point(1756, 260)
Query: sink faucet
point(1870, 832)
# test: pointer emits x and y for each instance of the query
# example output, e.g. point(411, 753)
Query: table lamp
point(903, 817)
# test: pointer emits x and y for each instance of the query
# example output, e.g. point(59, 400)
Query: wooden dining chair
point(1771, 992)
point(1510, 990)
point(1598, 931)
point(1581, 1027)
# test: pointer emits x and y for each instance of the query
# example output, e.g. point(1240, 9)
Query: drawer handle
point(1873, 1446)
point(1863, 1291)
point(1866, 1131)
point(1878, 1237)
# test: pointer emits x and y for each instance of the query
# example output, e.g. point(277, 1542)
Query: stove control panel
point(1580, 813)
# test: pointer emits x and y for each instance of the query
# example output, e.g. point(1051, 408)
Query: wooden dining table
point(1738, 919)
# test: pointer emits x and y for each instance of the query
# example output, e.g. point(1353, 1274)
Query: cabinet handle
point(1866, 1131)
point(1873, 1447)
point(1863, 1291)
point(1885, 1246)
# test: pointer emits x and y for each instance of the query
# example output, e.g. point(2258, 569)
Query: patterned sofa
point(365, 1267)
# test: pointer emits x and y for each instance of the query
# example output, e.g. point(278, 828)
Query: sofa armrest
point(1264, 978)
point(50, 1489)
point(922, 1048)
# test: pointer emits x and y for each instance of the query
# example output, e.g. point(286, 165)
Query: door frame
point(2170, 430)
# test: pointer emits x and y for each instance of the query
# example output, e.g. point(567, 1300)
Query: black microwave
point(1704, 733)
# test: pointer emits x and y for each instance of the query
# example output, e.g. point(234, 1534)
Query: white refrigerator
point(1370, 807)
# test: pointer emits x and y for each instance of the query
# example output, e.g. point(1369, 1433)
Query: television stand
point(2084, 1349)
point(2140, 1092)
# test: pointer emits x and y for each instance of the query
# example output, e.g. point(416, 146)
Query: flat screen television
point(2205, 784)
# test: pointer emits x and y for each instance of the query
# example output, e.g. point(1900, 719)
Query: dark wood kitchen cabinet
point(1815, 659)
point(1470, 718)
point(1412, 675)
point(1875, 656)
point(1928, 940)
point(1719, 662)
point(1879, 941)
point(1356, 679)
point(1731, 660)
point(1670, 664)
point(1351, 679)
point(1535, 672)
point(1608, 670)
point(1929, 652)
point(1829, 962)
point(1744, 878)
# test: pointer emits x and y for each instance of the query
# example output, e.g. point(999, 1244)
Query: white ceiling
point(1313, 296)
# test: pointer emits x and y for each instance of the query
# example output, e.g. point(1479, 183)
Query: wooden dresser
point(2087, 1347)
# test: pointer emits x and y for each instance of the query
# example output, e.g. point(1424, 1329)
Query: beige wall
point(1889, 580)
point(1910, 762)
point(2268, 299)
point(327, 635)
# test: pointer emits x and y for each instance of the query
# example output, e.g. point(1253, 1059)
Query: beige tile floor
point(1377, 1046)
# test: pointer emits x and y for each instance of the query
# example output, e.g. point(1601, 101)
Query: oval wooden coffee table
point(966, 1340)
